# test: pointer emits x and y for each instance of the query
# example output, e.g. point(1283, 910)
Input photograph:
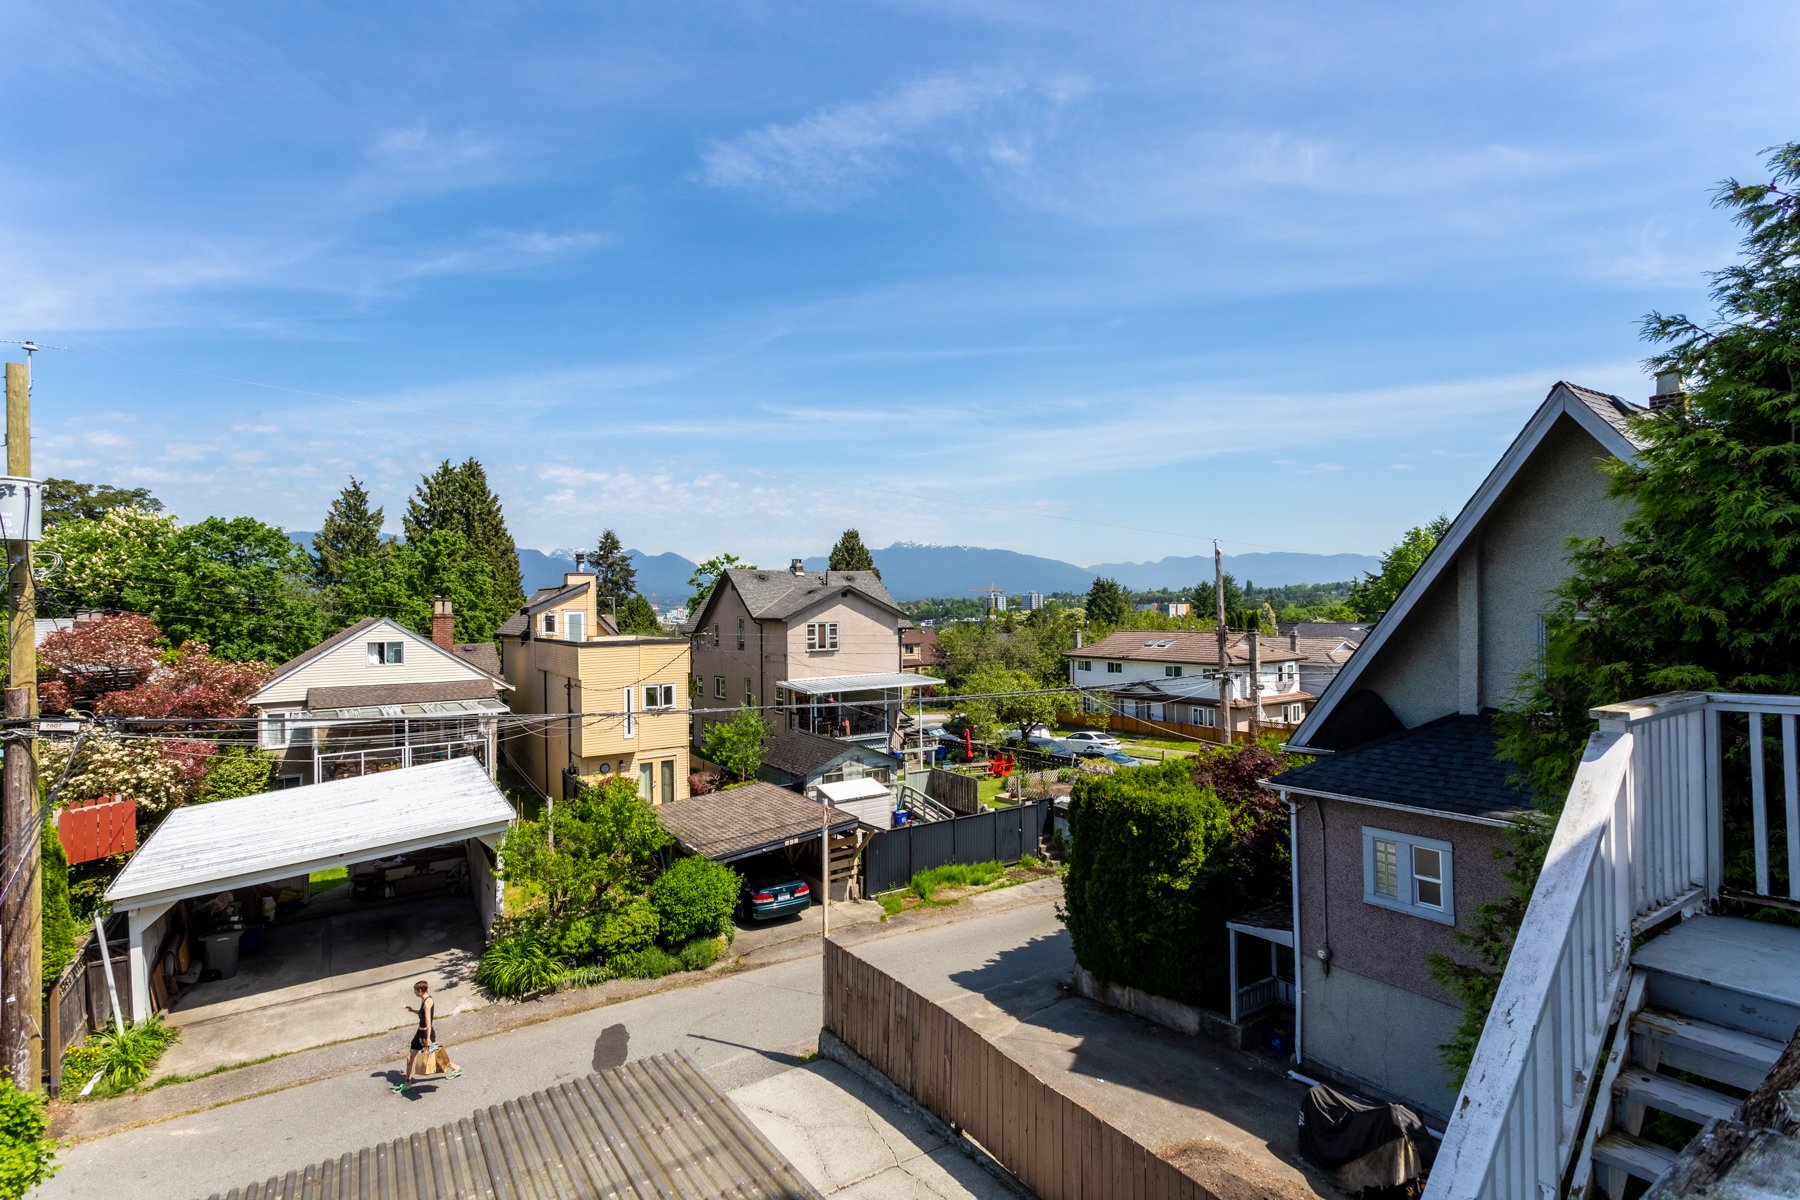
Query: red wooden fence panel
point(98, 828)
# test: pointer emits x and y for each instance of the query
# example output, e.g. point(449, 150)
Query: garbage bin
point(221, 951)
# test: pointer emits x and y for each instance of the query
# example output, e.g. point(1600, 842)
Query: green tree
point(457, 498)
point(1004, 698)
point(242, 587)
point(235, 771)
point(67, 500)
point(401, 580)
point(707, 574)
point(114, 562)
point(588, 855)
point(1376, 592)
point(615, 578)
point(27, 1155)
point(636, 616)
point(737, 744)
point(1206, 598)
point(351, 530)
point(1108, 604)
point(694, 898)
point(851, 555)
point(1701, 589)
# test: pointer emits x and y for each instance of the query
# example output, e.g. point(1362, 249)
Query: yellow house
point(611, 704)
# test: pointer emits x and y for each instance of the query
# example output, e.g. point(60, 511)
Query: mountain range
point(913, 571)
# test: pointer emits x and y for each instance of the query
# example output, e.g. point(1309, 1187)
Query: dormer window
point(383, 654)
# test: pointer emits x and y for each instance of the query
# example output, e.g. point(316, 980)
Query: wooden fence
point(958, 793)
point(894, 856)
point(1057, 1148)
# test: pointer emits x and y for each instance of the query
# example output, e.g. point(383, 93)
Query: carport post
point(140, 921)
point(825, 868)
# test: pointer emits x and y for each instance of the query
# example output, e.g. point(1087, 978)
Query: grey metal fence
point(997, 835)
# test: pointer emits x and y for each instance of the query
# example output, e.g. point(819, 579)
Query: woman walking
point(425, 1036)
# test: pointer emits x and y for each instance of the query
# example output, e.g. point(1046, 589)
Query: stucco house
point(1395, 825)
point(612, 704)
point(1167, 683)
point(377, 696)
point(818, 650)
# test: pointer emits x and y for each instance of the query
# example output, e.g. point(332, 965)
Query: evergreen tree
point(638, 617)
point(1107, 603)
point(458, 499)
point(615, 579)
point(58, 922)
point(851, 555)
point(351, 530)
point(1206, 599)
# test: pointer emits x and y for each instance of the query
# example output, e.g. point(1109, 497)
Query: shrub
point(695, 898)
point(27, 1157)
point(520, 961)
point(652, 962)
point(628, 929)
point(580, 977)
point(700, 953)
point(58, 921)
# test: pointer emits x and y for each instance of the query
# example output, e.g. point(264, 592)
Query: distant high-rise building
point(1034, 600)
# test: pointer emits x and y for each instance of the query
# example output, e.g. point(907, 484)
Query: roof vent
point(797, 566)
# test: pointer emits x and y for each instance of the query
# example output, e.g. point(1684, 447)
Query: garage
point(758, 827)
point(213, 874)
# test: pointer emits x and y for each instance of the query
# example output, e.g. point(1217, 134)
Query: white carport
point(209, 848)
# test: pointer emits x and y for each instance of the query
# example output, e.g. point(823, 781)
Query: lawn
point(324, 881)
point(927, 889)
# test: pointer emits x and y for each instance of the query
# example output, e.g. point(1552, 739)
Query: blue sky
point(1094, 281)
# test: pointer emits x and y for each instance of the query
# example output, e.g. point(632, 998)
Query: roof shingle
point(774, 595)
point(1450, 765)
point(740, 821)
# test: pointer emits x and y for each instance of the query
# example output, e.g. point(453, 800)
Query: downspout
point(1294, 882)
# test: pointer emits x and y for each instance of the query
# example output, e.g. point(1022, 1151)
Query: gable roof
point(1451, 765)
point(365, 626)
point(797, 752)
point(515, 625)
point(777, 595)
point(1200, 647)
point(480, 655)
point(1607, 418)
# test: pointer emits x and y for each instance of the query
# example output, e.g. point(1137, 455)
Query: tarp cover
point(1336, 1129)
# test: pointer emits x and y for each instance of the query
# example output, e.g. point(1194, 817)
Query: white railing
point(1637, 841)
point(348, 764)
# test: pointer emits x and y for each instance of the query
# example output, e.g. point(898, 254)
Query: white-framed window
point(1172, 672)
point(278, 730)
point(718, 687)
point(1288, 672)
point(715, 635)
point(659, 695)
point(822, 635)
point(574, 625)
point(1203, 716)
point(547, 624)
point(749, 695)
point(1115, 668)
point(740, 633)
point(1409, 874)
point(284, 782)
point(626, 697)
point(1293, 714)
point(1084, 664)
point(386, 653)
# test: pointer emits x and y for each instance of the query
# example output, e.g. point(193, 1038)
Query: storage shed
point(208, 849)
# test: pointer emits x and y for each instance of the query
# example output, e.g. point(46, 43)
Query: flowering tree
point(116, 666)
point(110, 765)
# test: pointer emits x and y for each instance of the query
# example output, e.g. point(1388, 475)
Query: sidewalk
point(754, 948)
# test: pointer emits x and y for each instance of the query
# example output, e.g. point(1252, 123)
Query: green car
point(776, 896)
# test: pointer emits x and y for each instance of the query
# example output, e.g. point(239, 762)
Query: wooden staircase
point(1708, 1009)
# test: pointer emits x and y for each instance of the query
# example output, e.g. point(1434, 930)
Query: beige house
point(377, 696)
point(613, 705)
point(820, 649)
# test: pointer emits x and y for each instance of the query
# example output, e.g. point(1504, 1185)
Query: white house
point(1168, 682)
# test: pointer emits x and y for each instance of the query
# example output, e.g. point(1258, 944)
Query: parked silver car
point(1092, 741)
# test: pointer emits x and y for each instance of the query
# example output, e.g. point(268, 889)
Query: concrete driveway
point(328, 978)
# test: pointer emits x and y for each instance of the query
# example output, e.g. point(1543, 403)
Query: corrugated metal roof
point(233, 843)
point(656, 1127)
point(821, 685)
point(745, 820)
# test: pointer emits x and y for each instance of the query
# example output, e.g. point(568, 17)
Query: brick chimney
point(797, 567)
point(1669, 390)
point(443, 623)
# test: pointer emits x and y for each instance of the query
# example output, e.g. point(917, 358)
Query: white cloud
point(833, 154)
point(417, 150)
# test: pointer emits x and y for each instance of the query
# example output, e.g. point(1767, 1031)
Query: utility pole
point(1224, 637)
point(21, 827)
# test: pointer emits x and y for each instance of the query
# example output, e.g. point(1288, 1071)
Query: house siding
point(348, 666)
point(1378, 955)
point(540, 671)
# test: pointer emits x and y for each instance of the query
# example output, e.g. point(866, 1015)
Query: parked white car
point(1092, 739)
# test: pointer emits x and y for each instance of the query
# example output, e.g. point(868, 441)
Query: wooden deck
point(1752, 957)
